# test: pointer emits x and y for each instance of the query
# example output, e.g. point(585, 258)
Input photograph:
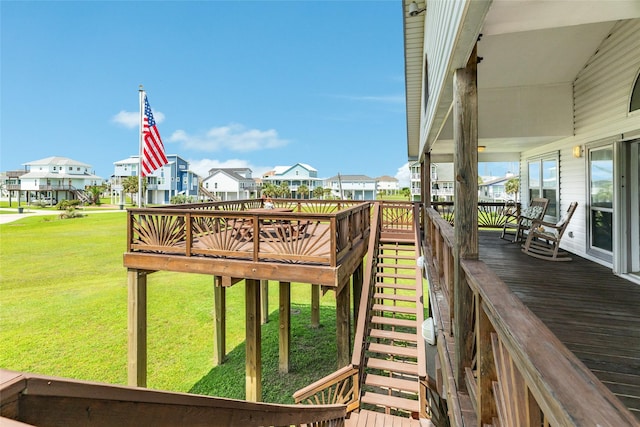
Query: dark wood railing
point(490, 214)
point(297, 231)
point(34, 400)
point(520, 372)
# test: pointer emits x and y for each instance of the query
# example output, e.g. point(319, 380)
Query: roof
point(54, 175)
point(228, 172)
point(350, 178)
point(56, 161)
point(387, 178)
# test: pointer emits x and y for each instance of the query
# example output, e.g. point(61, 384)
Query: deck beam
point(219, 319)
point(253, 357)
point(137, 328)
point(284, 331)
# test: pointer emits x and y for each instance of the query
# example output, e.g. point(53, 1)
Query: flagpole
point(141, 92)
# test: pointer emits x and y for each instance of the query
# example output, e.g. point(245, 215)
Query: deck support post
point(465, 159)
point(358, 279)
point(315, 306)
point(343, 324)
point(264, 301)
point(137, 328)
point(253, 357)
point(284, 331)
point(487, 410)
point(219, 319)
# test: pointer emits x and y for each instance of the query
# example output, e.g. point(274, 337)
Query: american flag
point(153, 156)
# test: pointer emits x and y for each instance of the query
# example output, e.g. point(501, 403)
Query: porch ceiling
point(531, 53)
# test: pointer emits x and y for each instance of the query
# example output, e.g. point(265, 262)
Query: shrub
point(66, 204)
point(71, 212)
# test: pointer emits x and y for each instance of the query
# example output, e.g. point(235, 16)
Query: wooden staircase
point(391, 382)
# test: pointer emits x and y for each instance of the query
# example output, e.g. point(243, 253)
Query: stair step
point(396, 256)
point(396, 286)
point(380, 320)
point(393, 335)
point(391, 402)
point(392, 366)
point(394, 309)
point(388, 264)
point(392, 383)
point(396, 276)
point(393, 350)
point(395, 297)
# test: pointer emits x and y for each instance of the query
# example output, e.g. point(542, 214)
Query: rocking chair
point(544, 238)
point(517, 223)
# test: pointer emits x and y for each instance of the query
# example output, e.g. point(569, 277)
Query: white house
point(294, 176)
point(170, 180)
point(388, 184)
point(352, 187)
point(57, 178)
point(230, 184)
point(494, 190)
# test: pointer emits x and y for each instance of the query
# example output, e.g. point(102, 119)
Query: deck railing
point(344, 385)
point(490, 214)
point(34, 400)
point(311, 231)
point(519, 372)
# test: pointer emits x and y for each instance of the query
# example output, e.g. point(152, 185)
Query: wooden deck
point(593, 312)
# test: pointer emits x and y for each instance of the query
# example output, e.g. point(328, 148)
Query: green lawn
point(63, 312)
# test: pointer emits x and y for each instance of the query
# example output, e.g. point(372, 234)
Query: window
point(543, 181)
point(601, 200)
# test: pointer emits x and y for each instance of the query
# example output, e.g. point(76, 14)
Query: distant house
point(494, 190)
point(230, 184)
point(388, 185)
point(172, 179)
point(442, 188)
point(415, 187)
point(294, 176)
point(54, 179)
point(352, 187)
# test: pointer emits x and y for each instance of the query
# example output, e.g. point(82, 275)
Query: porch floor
point(595, 313)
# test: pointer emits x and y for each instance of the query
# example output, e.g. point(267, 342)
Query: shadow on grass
point(312, 356)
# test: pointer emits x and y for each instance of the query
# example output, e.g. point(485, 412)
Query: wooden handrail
point(43, 400)
point(565, 390)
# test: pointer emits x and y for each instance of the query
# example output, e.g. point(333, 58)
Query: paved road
point(10, 217)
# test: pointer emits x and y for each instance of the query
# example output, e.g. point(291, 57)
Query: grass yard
point(63, 312)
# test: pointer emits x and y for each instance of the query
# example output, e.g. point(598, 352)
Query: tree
point(95, 191)
point(318, 192)
point(269, 190)
point(130, 185)
point(512, 186)
point(406, 192)
point(303, 191)
point(283, 190)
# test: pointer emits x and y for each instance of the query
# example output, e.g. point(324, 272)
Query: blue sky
point(255, 84)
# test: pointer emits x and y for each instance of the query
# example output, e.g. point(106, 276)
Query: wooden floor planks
point(595, 313)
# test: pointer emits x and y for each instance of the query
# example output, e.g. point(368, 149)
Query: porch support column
point(315, 306)
point(253, 357)
point(343, 324)
point(264, 300)
point(465, 159)
point(137, 328)
point(425, 185)
point(284, 331)
point(358, 279)
point(220, 322)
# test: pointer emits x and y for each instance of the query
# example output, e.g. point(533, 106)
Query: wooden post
point(465, 159)
point(137, 328)
point(315, 306)
point(426, 180)
point(358, 279)
point(253, 357)
point(486, 404)
point(219, 321)
point(343, 324)
point(285, 327)
point(264, 300)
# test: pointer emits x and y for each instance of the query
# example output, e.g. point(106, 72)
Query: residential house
point(54, 179)
point(442, 188)
point(170, 180)
point(230, 184)
point(554, 86)
point(387, 185)
point(415, 180)
point(352, 187)
point(294, 177)
point(494, 190)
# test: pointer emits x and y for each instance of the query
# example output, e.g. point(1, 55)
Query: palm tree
point(513, 187)
point(318, 192)
point(303, 191)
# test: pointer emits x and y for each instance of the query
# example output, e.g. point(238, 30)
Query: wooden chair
point(517, 223)
point(544, 238)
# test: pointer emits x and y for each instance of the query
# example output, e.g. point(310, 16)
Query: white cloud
point(202, 166)
point(403, 175)
point(233, 137)
point(131, 120)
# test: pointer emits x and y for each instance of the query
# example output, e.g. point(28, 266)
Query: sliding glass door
point(601, 202)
